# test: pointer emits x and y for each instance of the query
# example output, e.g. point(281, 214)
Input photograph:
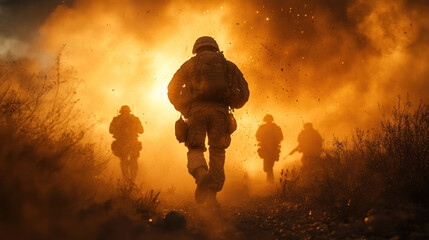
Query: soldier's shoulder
point(189, 63)
point(135, 117)
point(231, 64)
point(233, 67)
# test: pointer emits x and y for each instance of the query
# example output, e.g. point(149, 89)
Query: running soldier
point(269, 136)
point(310, 145)
point(203, 90)
point(125, 129)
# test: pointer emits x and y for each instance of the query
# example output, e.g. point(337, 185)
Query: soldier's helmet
point(125, 109)
point(203, 42)
point(268, 118)
point(308, 125)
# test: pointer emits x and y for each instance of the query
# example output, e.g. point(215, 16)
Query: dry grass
point(51, 182)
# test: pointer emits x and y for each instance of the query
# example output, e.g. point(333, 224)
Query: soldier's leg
point(306, 164)
point(270, 176)
point(197, 128)
point(219, 140)
point(268, 168)
point(124, 165)
point(197, 165)
point(216, 168)
point(133, 165)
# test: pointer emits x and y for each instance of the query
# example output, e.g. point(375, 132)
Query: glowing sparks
point(268, 19)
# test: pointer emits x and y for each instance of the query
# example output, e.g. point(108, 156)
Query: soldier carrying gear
point(203, 90)
point(269, 136)
point(310, 145)
point(125, 129)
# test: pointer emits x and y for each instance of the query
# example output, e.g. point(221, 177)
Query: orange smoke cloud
point(319, 61)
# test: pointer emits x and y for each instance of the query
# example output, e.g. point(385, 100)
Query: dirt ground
point(269, 217)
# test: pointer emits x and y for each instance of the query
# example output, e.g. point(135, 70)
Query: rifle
point(294, 150)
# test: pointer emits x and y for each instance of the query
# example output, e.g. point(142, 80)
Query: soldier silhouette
point(203, 90)
point(310, 145)
point(269, 136)
point(125, 129)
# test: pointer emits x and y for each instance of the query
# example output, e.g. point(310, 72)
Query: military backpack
point(216, 80)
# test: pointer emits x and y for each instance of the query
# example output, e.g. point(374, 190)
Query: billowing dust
point(333, 64)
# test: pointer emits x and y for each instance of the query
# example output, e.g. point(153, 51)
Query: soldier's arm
point(140, 128)
point(244, 92)
point(280, 134)
point(237, 72)
point(300, 140)
point(176, 84)
point(112, 127)
point(320, 139)
point(294, 150)
point(179, 87)
point(258, 134)
point(232, 67)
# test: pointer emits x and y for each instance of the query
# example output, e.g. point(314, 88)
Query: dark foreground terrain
point(274, 218)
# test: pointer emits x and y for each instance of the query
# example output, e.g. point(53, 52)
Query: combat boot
point(211, 199)
point(202, 183)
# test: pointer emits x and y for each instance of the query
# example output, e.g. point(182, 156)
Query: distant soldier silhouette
point(125, 129)
point(269, 136)
point(310, 145)
point(202, 90)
